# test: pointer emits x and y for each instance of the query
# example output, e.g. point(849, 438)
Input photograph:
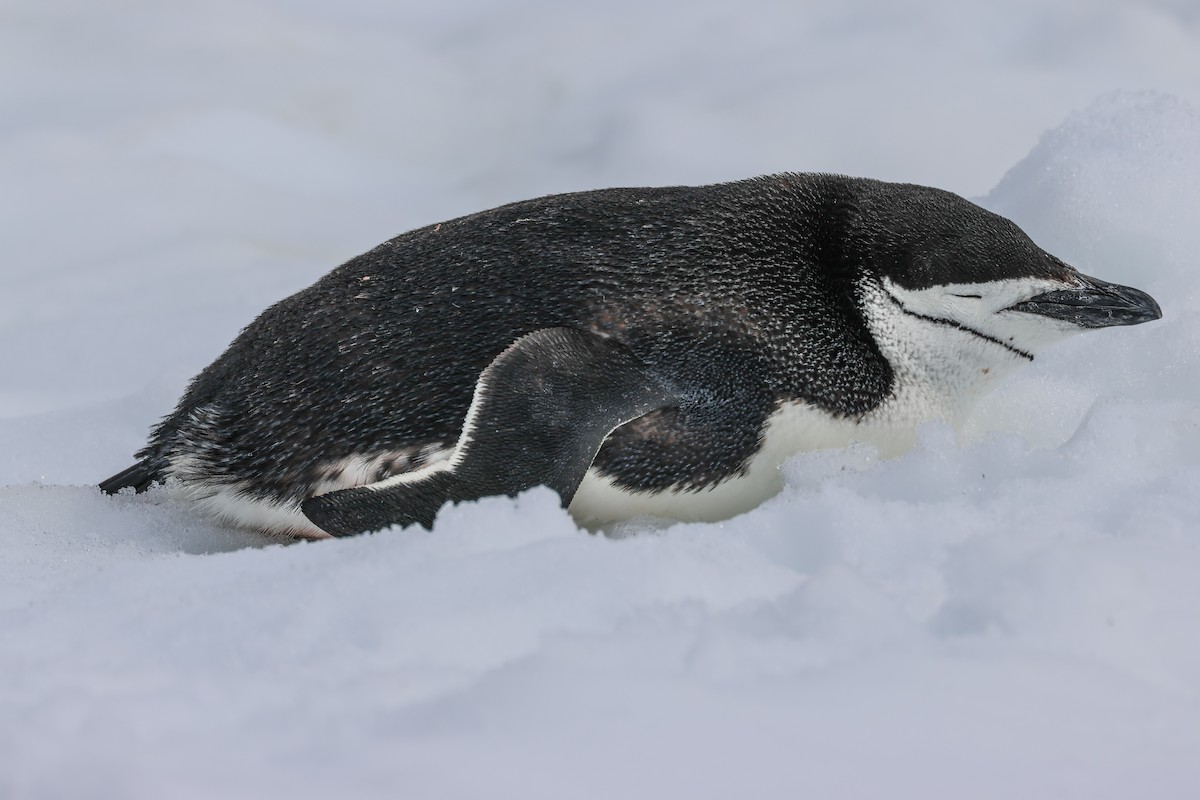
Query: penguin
point(639, 351)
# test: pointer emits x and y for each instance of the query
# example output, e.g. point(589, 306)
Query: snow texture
point(1014, 612)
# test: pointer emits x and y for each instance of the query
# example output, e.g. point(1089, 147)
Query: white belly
point(794, 428)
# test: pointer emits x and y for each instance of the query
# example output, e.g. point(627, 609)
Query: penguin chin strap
point(540, 412)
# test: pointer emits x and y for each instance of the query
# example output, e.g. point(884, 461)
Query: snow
point(1013, 612)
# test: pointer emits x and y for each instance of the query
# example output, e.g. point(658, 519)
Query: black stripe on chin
point(939, 321)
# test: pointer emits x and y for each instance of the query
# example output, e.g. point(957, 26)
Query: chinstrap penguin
point(640, 351)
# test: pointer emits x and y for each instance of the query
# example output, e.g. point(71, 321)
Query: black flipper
point(540, 412)
point(139, 476)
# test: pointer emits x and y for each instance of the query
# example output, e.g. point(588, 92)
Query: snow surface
point(1011, 613)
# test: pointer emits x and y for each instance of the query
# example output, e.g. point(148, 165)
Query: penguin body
point(638, 350)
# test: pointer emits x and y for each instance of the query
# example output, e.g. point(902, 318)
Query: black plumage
point(744, 295)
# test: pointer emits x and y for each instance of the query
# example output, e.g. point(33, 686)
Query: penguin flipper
point(139, 476)
point(540, 411)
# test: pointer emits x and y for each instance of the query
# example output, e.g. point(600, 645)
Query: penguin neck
point(922, 391)
point(940, 370)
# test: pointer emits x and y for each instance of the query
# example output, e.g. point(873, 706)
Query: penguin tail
point(139, 476)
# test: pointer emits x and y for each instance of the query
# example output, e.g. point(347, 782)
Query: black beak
point(1096, 304)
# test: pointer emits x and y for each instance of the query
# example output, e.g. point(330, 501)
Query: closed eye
point(972, 296)
point(954, 324)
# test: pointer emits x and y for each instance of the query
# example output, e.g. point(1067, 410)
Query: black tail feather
point(139, 476)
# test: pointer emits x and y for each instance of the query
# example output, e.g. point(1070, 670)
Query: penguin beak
point(1096, 304)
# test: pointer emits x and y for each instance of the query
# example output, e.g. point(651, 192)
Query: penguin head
point(931, 260)
point(956, 297)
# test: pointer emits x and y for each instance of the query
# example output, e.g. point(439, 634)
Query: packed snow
point(1012, 610)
